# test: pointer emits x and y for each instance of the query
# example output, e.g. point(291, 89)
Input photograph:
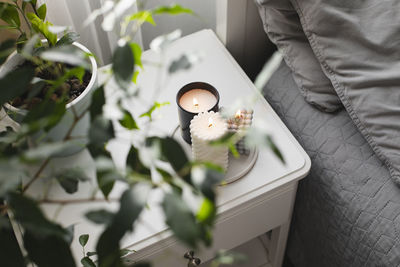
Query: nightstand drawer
point(234, 227)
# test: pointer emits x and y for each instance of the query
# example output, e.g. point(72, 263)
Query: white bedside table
point(259, 202)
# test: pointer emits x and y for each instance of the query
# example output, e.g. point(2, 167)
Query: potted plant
point(57, 71)
point(27, 149)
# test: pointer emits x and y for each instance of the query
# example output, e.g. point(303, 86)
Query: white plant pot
point(80, 104)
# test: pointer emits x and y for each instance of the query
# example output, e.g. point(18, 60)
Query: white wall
point(239, 27)
point(187, 23)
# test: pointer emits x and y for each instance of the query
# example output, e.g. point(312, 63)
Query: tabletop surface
point(218, 68)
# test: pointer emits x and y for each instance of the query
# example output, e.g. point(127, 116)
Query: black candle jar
point(186, 116)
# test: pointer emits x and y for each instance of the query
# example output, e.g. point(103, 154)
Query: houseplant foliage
point(24, 157)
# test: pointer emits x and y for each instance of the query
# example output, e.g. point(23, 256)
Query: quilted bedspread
point(347, 211)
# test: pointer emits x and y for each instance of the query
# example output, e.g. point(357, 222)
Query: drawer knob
point(193, 261)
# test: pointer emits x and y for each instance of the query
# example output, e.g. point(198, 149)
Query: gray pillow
point(357, 43)
point(283, 27)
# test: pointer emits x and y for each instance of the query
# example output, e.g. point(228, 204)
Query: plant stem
point(34, 9)
point(26, 20)
point(37, 174)
point(76, 120)
point(46, 162)
point(76, 201)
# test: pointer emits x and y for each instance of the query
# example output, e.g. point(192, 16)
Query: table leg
point(278, 244)
point(279, 237)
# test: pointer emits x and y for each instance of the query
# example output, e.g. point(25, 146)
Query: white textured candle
point(197, 100)
point(204, 128)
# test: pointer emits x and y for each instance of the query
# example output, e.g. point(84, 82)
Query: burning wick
point(210, 122)
point(238, 114)
point(195, 103)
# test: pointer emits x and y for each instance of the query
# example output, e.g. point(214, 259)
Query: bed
point(347, 209)
point(339, 94)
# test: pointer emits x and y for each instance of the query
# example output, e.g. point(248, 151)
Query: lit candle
point(197, 100)
point(204, 128)
point(238, 114)
point(192, 99)
point(240, 123)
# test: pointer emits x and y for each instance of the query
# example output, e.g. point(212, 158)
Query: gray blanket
point(347, 211)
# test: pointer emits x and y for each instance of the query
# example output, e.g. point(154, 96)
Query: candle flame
point(195, 102)
point(238, 114)
point(210, 122)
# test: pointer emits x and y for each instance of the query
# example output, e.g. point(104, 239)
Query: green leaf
point(155, 106)
point(182, 63)
point(20, 42)
point(128, 121)
point(229, 140)
point(98, 151)
point(69, 179)
point(101, 130)
point(142, 16)
point(171, 151)
point(67, 54)
point(167, 177)
point(28, 214)
point(87, 262)
point(7, 27)
point(131, 205)
point(134, 77)
point(274, 148)
point(161, 42)
point(45, 115)
point(100, 216)
point(83, 239)
point(29, 46)
point(106, 180)
point(105, 170)
point(174, 9)
point(207, 212)
point(174, 153)
point(24, 6)
point(9, 246)
point(41, 11)
point(89, 254)
point(205, 180)
point(68, 39)
point(133, 161)
point(15, 83)
point(181, 220)
point(123, 65)
point(9, 14)
point(77, 72)
point(42, 27)
point(137, 54)
point(98, 101)
point(46, 150)
point(258, 136)
point(11, 175)
point(48, 250)
point(6, 48)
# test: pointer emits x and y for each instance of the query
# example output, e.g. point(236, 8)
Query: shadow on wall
point(258, 48)
point(205, 9)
